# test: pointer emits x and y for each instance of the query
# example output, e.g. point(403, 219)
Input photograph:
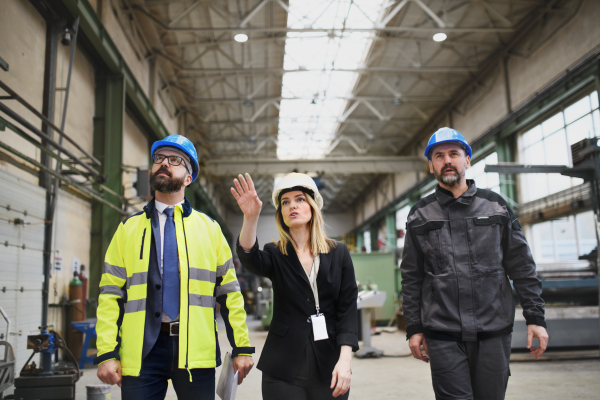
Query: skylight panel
point(321, 76)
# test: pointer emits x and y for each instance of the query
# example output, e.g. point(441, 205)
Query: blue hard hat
point(182, 144)
point(445, 135)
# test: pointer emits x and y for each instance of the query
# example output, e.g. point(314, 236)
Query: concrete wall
point(25, 54)
point(133, 52)
point(382, 193)
point(136, 153)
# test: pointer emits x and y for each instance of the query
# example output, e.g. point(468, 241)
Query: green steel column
point(506, 153)
point(108, 148)
point(374, 234)
point(360, 241)
point(390, 224)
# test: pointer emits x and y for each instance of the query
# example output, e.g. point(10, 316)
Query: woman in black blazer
point(294, 364)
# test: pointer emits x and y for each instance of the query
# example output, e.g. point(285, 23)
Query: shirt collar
point(445, 196)
point(160, 207)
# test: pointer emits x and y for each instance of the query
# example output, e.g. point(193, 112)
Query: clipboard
point(228, 380)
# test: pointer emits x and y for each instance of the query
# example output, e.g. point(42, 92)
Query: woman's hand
point(246, 197)
point(342, 375)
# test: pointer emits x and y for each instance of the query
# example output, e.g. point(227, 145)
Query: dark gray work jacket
point(459, 255)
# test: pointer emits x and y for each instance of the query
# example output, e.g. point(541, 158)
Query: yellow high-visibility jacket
point(130, 298)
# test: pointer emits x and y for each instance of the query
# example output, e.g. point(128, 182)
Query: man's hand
point(109, 372)
point(243, 364)
point(415, 343)
point(540, 333)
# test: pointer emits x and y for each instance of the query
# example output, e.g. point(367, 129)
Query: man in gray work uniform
point(462, 246)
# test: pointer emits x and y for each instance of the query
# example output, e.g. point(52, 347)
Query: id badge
point(319, 327)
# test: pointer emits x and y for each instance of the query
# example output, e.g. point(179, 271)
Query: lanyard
point(313, 285)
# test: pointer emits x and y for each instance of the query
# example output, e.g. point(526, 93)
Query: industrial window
point(485, 180)
point(564, 239)
point(549, 144)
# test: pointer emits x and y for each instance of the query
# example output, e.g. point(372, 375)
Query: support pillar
point(109, 122)
point(374, 234)
point(506, 153)
point(390, 224)
point(360, 241)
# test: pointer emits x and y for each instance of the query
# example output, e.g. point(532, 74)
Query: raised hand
point(246, 197)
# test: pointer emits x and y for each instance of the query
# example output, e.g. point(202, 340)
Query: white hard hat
point(296, 181)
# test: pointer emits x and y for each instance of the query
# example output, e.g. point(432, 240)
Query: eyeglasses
point(173, 160)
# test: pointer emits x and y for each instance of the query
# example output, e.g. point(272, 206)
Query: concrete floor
point(405, 377)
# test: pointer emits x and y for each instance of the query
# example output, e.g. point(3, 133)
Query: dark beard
point(166, 185)
point(449, 180)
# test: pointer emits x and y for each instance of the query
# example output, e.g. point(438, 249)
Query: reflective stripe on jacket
point(207, 277)
point(459, 255)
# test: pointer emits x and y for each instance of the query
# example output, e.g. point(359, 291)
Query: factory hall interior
point(299, 199)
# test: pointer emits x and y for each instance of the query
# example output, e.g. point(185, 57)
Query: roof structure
point(327, 79)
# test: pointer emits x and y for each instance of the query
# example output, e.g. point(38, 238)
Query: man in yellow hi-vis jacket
point(164, 272)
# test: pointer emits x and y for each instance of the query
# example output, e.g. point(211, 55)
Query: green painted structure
point(378, 268)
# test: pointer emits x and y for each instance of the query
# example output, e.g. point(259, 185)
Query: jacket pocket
point(444, 314)
point(430, 241)
point(491, 313)
point(485, 241)
point(278, 328)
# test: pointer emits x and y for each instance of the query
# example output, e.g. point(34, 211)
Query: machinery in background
point(7, 362)
point(570, 289)
point(367, 301)
point(52, 380)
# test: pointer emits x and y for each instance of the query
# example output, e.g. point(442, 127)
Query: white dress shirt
point(162, 219)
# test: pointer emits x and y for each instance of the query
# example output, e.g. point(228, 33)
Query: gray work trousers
point(470, 370)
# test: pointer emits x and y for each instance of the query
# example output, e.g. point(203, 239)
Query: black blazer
point(294, 303)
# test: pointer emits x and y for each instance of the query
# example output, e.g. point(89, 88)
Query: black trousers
point(308, 384)
point(470, 370)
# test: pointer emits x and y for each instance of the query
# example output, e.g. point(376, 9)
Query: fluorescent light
point(241, 37)
point(438, 37)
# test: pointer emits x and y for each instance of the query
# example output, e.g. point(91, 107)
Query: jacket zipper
point(439, 251)
point(142, 249)
point(187, 344)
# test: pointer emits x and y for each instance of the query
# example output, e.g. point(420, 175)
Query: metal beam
point(276, 120)
point(280, 71)
point(336, 165)
point(365, 99)
point(515, 168)
point(280, 29)
point(282, 39)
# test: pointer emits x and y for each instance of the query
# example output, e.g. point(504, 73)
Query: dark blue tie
point(170, 268)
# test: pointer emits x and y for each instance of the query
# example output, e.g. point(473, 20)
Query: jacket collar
point(150, 208)
point(444, 196)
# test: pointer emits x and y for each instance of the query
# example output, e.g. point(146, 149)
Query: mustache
point(162, 169)
point(449, 167)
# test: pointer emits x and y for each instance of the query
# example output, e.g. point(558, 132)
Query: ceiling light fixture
point(440, 37)
point(241, 37)
point(396, 101)
point(248, 103)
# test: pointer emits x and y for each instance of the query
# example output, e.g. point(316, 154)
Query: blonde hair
point(319, 243)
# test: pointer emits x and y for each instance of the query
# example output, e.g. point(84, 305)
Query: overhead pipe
point(5, 109)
